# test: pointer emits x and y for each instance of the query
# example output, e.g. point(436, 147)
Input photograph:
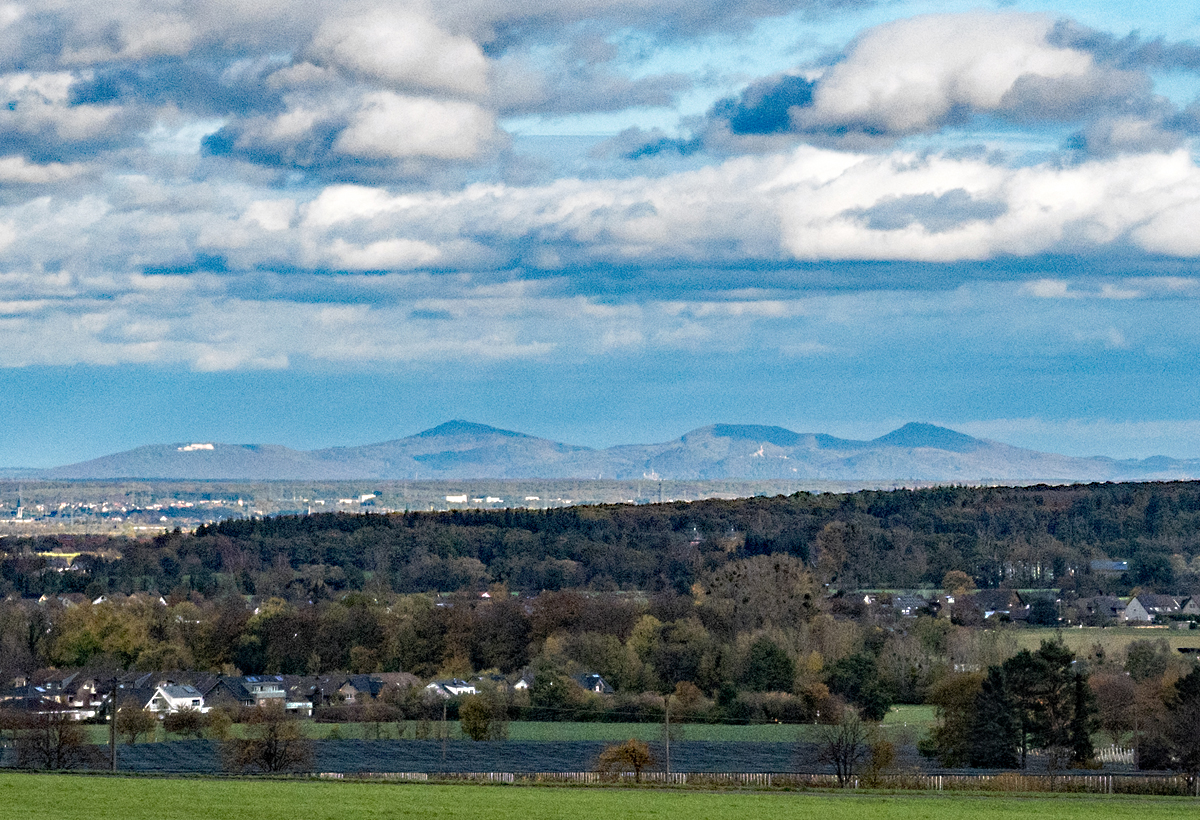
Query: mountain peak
point(458, 427)
point(917, 434)
point(779, 436)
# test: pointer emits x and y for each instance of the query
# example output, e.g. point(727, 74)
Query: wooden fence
point(1176, 785)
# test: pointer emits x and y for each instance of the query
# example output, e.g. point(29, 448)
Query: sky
point(597, 221)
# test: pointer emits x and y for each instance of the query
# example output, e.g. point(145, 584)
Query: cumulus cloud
point(934, 212)
point(808, 205)
point(403, 49)
point(393, 126)
point(39, 120)
point(294, 108)
point(917, 74)
point(16, 170)
point(923, 74)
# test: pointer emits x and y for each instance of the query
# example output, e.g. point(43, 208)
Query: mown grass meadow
point(916, 719)
point(75, 797)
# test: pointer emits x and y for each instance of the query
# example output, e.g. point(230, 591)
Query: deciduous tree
point(52, 739)
point(186, 722)
point(274, 742)
point(630, 756)
point(134, 722)
point(845, 745)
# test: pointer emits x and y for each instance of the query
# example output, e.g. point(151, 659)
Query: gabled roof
point(908, 603)
point(1157, 603)
point(365, 683)
point(995, 600)
point(177, 691)
point(593, 683)
point(1107, 604)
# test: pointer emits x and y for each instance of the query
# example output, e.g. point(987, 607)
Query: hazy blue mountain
point(463, 450)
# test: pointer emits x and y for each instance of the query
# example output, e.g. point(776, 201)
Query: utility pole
point(445, 734)
point(112, 726)
point(667, 733)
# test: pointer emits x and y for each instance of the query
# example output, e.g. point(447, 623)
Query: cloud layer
point(280, 186)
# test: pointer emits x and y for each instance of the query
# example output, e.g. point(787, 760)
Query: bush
point(134, 722)
point(185, 722)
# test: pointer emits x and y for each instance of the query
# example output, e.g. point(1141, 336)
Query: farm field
point(918, 718)
point(72, 797)
point(1114, 639)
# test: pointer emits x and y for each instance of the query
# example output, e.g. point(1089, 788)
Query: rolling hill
point(465, 450)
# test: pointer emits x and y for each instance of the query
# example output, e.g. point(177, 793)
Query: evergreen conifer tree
point(1083, 721)
point(995, 729)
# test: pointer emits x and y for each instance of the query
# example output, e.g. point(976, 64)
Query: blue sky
point(600, 221)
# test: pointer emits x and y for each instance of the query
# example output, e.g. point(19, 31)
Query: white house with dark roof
point(1146, 608)
point(174, 697)
point(451, 688)
point(594, 683)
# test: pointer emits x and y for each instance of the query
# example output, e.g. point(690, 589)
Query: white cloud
point(1049, 289)
point(404, 49)
point(20, 171)
point(386, 254)
point(38, 104)
point(394, 126)
point(270, 214)
point(920, 74)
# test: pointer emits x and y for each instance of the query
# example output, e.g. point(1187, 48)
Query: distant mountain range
point(461, 450)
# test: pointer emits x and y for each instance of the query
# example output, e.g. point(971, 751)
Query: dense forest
point(1029, 537)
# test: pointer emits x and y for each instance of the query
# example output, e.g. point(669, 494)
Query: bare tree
point(845, 745)
point(274, 742)
point(53, 739)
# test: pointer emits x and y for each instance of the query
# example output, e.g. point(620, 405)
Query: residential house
point(360, 689)
point(175, 697)
point(998, 602)
point(1100, 609)
point(251, 690)
point(594, 683)
point(908, 605)
point(451, 688)
point(1148, 608)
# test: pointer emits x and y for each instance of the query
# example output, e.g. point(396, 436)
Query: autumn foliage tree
point(631, 756)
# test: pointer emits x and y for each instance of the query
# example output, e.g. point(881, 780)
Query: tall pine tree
point(1083, 722)
point(995, 730)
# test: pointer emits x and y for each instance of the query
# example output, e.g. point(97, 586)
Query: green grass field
point(72, 797)
point(1114, 639)
point(913, 719)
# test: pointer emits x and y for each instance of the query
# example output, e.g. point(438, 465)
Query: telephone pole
point(667, 733)
point(112, 726)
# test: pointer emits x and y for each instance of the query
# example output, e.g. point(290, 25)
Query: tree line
point(1027, 537)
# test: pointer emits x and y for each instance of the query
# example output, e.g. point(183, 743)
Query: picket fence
point(1177, 785)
